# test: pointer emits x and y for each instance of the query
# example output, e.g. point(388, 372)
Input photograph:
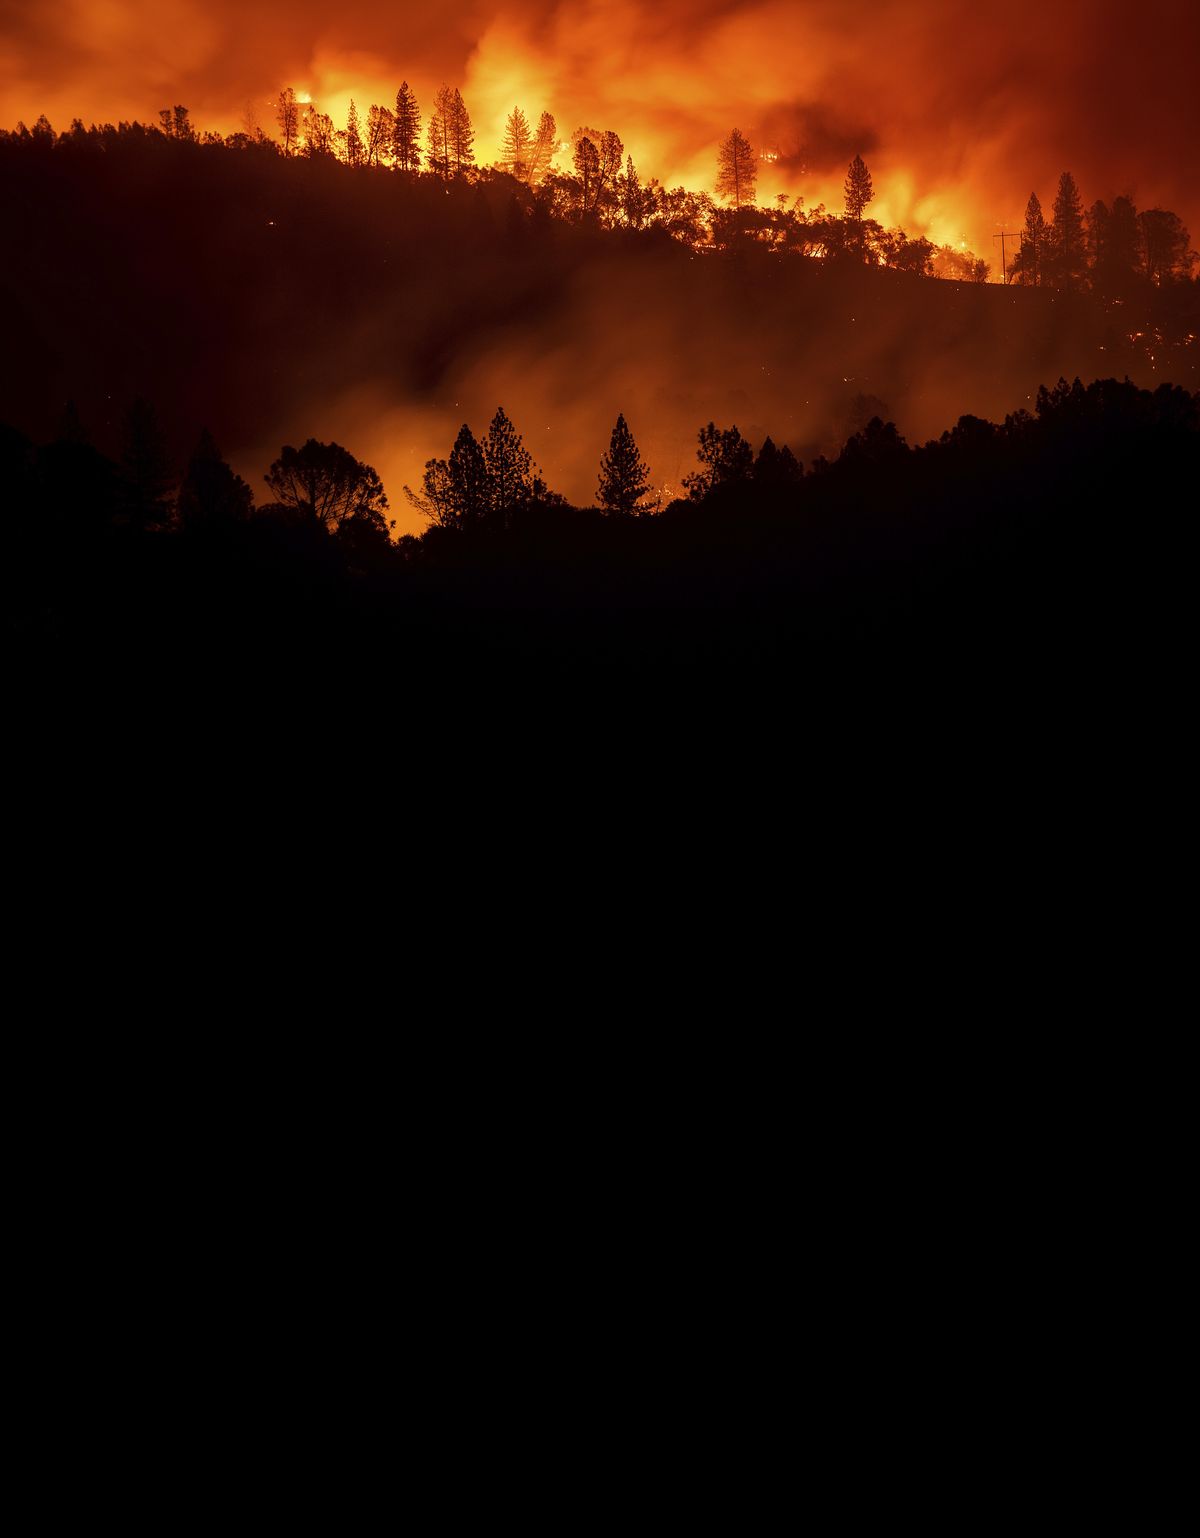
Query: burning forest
point(696, 337)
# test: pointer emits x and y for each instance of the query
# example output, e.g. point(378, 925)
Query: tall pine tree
point(737, 170)
point(543, 149)
point(518, 143)
point(859, 189)
point(441, 151)
point(406, 134)
point(461, 134)
point(510, 469)
point(624, 477)
point(354, 141)
point(1026, 266)
point(1067, 247)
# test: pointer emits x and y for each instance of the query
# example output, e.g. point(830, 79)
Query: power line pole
point(1002, 237)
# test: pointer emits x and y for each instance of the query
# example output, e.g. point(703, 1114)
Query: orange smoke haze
point(960, 110)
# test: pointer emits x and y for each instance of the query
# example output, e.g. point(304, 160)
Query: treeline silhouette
point(262, 293)
point(1111, 250)
point(1017, 548)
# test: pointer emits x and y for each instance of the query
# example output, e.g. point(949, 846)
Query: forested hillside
point(274, 298)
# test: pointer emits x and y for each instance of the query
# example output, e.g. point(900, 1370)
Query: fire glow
point(954, 149)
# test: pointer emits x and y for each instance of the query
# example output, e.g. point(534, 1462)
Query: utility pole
point(1002, 237)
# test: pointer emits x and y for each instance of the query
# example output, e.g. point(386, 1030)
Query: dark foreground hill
point(1052, 553)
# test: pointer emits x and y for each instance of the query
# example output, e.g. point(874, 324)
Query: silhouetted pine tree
point(468, 479)
point(1121, 246)
point(510, 469)
point(1026, 266)
point(859, 190)
point(542, 151)
point(406, 136)
point(726, 457)
point(518, 141)
point(632, 196)
point(624, 476)
point(354, 142)
point(461, 134)
point(775, 466)
point(1066, 247)
point(440, 131)
point(737, 170)
point(587, 173)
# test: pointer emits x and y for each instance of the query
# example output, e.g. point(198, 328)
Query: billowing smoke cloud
point(962, 109)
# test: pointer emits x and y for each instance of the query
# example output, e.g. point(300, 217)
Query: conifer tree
point(510, 469)
point(859, 189)
point(354, 141)
point(725, 456)
point(518, 142)
point(587, 173)
point(461, 134)
point(1067, 251)
point(1121, 247)
point(737, 170)
point(543, 149)
point(1027, 263)
point(624, 476)
point(1096, 226)
point(441, 157)
point(632, 196)
point(776, 466)
point(468, 479)
point(406, 137)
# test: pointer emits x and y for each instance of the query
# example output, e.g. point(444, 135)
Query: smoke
point(960, 114)
point(962, 109)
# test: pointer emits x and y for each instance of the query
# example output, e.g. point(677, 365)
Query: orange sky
point(959, 109)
